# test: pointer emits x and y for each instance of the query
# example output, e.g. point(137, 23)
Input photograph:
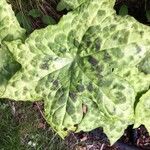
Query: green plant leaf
point(61, 6)
point(123, 10)
point(48, 20)
point(80, 63)
point(9, 27)
point(142, 112)
point(69, 4)
point(8, 67)
point(35, 13)
point(73, 4)
point(9, 30)
point(25, 21)
point(87, 69)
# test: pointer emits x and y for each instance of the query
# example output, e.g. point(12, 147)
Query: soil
point(27, 120)
point(133, 139)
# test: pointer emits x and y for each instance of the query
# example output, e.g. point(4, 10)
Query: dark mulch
point(133, 139)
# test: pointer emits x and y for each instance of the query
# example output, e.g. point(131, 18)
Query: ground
point(23, 127)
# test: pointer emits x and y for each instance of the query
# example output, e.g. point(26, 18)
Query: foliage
point(123, 10)
point(88, 69)
point(69, 4)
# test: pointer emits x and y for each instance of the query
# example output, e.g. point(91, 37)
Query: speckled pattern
point(88, 69)
point(144, 107)
point(9, 26)
point(70, 4)
point(9, 30)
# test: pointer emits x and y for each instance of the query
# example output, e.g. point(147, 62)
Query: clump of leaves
point(88, 69)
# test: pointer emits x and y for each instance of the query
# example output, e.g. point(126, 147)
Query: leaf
point(142, 112)
point(69, 4)
point(9, 27)
point(35, 13)
point(61, 6)
point(84, 76)
point(9, 30)
point(92, 58)
point(73, 4)
point(48, 20)
point(8, 67)
point(123, 10)
point(144, 66)
point(24, 21)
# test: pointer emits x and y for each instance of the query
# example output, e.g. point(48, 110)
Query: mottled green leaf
point(88, 69)
point(72, 4)
point(9, 27)
point(142, 112)
point(9, 30)
point(8, 67)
